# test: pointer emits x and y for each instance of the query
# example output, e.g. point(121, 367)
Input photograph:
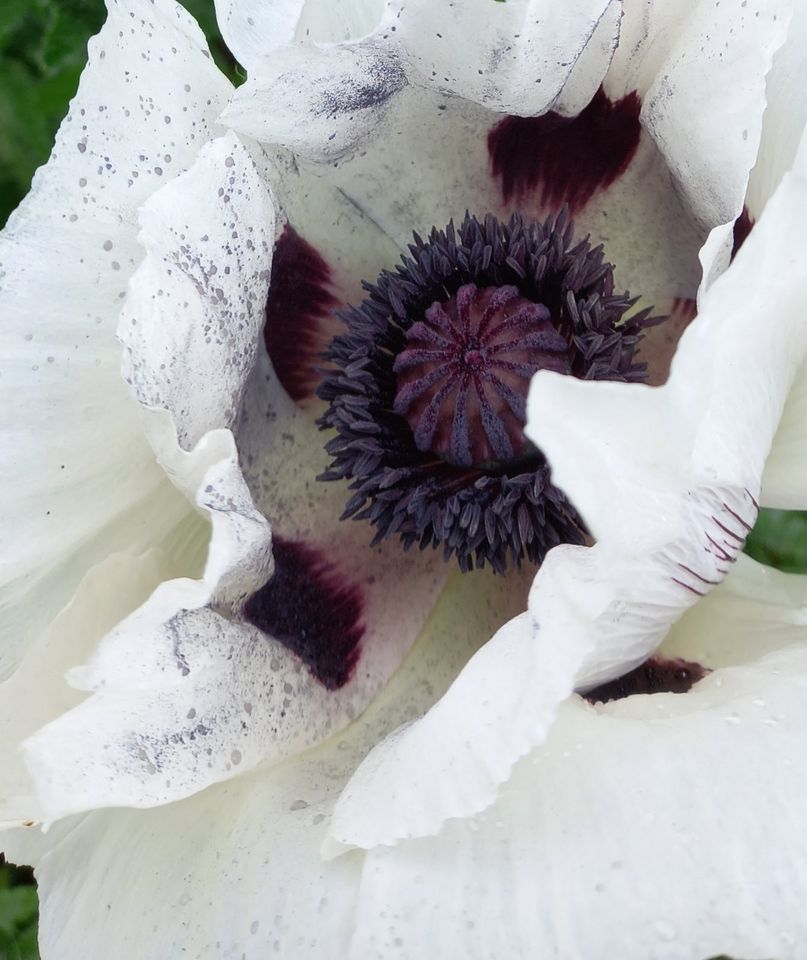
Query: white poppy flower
point(285, 638)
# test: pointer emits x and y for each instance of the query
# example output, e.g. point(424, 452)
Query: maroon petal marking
point(656, 675)
point(312, 610)
point(568, 158)
point(742, 227)
point(298, 309)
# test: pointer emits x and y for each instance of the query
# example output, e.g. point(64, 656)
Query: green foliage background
point(43, 47)
point(18, 915)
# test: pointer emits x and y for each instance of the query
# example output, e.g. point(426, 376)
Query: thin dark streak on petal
point(737, 517)
point(698, 576)
point(687, 586)
point(752, 498)
point(730, 532)
point(721, 555)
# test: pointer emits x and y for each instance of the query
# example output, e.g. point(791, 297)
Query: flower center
point(463, 377)
point(427, 387)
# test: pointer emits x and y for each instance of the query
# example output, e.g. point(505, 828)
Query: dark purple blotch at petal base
point(656, 675)
point(565, 160)
point(298, 309)
point(742, 227)
point(312, 609)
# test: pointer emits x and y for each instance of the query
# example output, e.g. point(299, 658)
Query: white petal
point(254, 30)
point(430, 165)
point(232, 872)
point(37, 693)
point(333, 21)
point(320, 102)
point(172, 658)
point(591, 66)
point(660, 826)
point(676, 55)
point(451, 762)
point(236, 869)
point(784, 481)
point(196, 305)
point(785, 114)
point(516, 57)
point(186, 693)
point(79, 461)
point(593, 614)
point(433, 164)
point(755, 611)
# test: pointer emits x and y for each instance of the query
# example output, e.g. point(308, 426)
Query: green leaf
point(18, 908)
point(779, 539)
point(20, 946)
point(68, 26)
point(18, 922)
point(11, 15)
point(27, 135)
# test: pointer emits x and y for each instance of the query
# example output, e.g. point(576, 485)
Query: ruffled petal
point(255, 30)
point(37, 693)
point(324, 101)
point(656, 826)
point(676, 55)
point(186, 694)
point(593, 614)
point(785, 116)
point(755, 611)
point(320, 102)
point(176, 655)
point(513, 58)
point(195, 309)
point(236, 869)
point(78, 473)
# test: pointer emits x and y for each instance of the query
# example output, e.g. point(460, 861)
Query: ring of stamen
point(426, 389)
